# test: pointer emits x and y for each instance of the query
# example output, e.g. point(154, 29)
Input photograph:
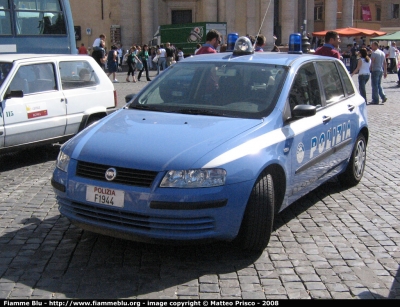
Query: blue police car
point(214, 147)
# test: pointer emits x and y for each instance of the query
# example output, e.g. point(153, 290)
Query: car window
point(331, 81)
point(221, 89)
point(77, 74)
point(4, 71)
point(305, 88)
point(34, 78)
point(346, 79)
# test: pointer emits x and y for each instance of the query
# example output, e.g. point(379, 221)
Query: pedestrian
point(97, 41)
point(162, 59)
point(378, 67)
point(120, 52)
point(131, 61)
point(353, 57)
point(393, 53)
point(332, 41)
point(82, 49)
point(143, 57)
point(198, 46)
point(99, 54)
point(260, 43)
point(275, 49)
point(213, 40)
point(180, 54)
point(169, 51)
point(363, 71)
point(112, 62)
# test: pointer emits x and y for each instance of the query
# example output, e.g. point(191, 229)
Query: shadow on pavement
point(27, 157)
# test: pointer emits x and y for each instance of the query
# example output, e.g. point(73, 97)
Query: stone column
point(347, 13)
point(330, 14)
point(267, 20)
point(251, 18)
point(221, 10)
point(230, 16)
point(210, 10)
point(287, 20)
point(146, 10)
point(310, 16)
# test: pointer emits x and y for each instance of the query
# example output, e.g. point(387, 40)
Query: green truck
point(188, 35)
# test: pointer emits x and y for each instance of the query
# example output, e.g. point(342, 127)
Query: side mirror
point(14, 94)
point(129, 97)
point(304, 110)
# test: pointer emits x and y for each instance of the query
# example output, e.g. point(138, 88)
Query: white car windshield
point(218, 88)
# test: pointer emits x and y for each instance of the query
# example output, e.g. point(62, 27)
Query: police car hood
point(155, 140)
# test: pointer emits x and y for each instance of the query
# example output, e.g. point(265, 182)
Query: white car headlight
point(195, 178)
point(62, 161)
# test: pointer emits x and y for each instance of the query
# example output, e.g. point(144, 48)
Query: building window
point(318, 12)
point(181, 16)
point(395, 11)
point(378, 14)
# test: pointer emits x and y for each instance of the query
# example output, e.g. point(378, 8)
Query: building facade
point(136, 21)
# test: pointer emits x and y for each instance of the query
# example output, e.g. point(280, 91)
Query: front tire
point(355, 169)
point(257, 224)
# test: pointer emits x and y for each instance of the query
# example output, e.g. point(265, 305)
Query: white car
point(50, 98)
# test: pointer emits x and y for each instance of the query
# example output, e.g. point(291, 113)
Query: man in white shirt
point(378, 69)
point(162, 59)
point(393, 53)
point(97, 41)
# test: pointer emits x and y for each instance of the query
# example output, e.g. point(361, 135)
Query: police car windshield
point(224, 89)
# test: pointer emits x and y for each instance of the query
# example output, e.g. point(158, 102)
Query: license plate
point(105, 196)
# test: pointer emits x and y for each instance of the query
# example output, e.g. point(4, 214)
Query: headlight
point(195, 178)
point(62, 161)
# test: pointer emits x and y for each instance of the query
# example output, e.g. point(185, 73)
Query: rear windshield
point(220, 89)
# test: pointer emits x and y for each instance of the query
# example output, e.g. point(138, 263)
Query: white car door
point(86, 88)
point(41, 113)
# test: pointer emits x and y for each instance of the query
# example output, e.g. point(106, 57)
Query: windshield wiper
point(145, 107)
point(200, 112)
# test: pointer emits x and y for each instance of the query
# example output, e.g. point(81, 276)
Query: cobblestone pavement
point(332, 243)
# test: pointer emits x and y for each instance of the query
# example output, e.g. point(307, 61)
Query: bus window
point(39, 17)
point(5, 20)
point(36, 26)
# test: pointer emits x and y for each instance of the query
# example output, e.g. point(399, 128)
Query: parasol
point(389, 37)
point(349, 31)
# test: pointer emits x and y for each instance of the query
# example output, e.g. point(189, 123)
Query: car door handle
point(351, 108)
point(326, 119)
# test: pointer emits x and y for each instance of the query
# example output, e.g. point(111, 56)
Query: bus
point(36, 26)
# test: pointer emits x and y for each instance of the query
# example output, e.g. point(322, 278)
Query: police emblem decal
point(300, 152)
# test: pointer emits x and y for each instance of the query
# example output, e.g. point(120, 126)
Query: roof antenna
point(265, 15)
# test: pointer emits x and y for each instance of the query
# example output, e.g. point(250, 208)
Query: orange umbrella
point(349, 31)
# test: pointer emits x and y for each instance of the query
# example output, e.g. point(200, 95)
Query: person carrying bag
point(144, 56)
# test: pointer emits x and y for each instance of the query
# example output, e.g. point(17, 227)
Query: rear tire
point(257, 224)
point(355, 169)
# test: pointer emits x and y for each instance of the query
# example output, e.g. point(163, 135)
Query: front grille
point(132, 222)
point(132, 177)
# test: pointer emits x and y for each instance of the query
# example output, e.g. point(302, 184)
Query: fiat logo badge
point(111, 173)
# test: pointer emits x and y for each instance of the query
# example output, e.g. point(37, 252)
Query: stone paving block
point(209, 288)
point(253, 295)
